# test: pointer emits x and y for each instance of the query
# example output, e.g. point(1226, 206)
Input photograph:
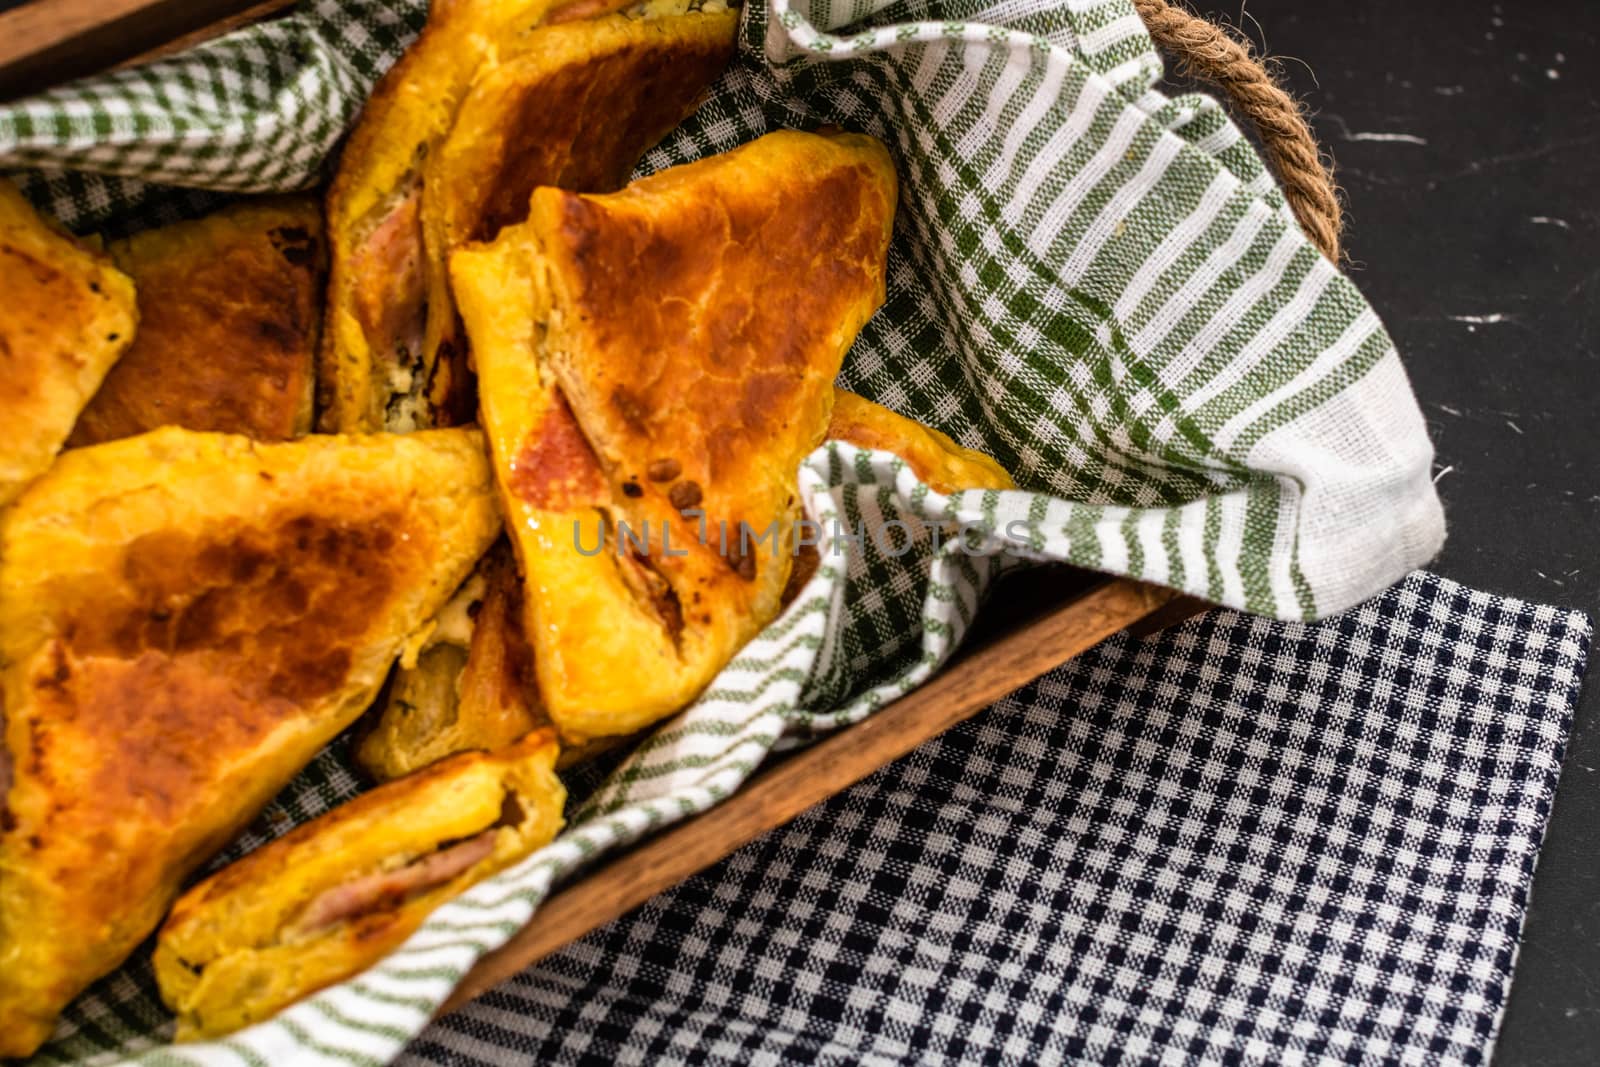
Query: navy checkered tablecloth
point(1240, 841)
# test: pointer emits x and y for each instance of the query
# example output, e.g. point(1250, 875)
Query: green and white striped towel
point(1094, 282)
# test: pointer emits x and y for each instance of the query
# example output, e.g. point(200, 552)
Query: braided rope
point(1206, 52)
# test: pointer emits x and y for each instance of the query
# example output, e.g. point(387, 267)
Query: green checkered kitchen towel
point(1094, 282)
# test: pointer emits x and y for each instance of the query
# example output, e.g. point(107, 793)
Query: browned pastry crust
point(933, 457)
point(229, 309)
point(661, 357)
point(470, 685)
point(332, 897)
point(376, 291)
point(573, 107)
point(185, 619)
point(66, 314)
point(590, 88)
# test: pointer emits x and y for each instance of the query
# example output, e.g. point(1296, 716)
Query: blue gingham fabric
point(1239, 841)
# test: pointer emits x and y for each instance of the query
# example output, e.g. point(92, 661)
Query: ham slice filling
point(385, 889)
point(391, 303)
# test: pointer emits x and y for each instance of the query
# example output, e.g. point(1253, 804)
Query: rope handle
point(1206, 52)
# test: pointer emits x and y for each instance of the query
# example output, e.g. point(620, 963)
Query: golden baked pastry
point(376, 288)
point(469, 684)
point(66, 314)
point(229, 309)
point(472, 683)
point(585, 93)
point(332, 897)
point(661, 359)
point(574, 106)
point(933, 457)
point(185, 619)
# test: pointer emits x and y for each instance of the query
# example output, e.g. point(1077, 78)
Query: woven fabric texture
point(1236, 842)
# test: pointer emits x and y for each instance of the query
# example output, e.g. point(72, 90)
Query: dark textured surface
point(1493, 218)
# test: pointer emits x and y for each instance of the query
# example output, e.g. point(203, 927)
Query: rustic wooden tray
point(1028, 627)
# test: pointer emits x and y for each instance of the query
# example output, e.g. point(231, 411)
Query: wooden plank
point(258, 12)
point(1179, 609)
point(777, 795)
point(49, 42)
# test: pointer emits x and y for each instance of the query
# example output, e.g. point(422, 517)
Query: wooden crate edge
point(48, 42)
point(775, 796)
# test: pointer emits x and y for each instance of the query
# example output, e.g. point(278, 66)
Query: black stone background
point(1494, 216)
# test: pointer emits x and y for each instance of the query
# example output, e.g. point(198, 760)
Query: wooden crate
point(1028, 627)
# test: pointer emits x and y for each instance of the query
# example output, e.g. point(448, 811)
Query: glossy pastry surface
point(229, 310)
point(185, 620)
point(333, 896)
point(653, 365)
point(66, 315)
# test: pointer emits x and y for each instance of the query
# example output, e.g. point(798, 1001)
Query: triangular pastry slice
point(494, 99)
point(229, 309)
point(66, 314)
point(653, 366)
point(185, 620)
point(573, 105)
point(377, 288)
point(332, 897)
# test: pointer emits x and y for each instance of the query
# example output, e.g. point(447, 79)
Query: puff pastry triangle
point(185, 620)
point(653, 366)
